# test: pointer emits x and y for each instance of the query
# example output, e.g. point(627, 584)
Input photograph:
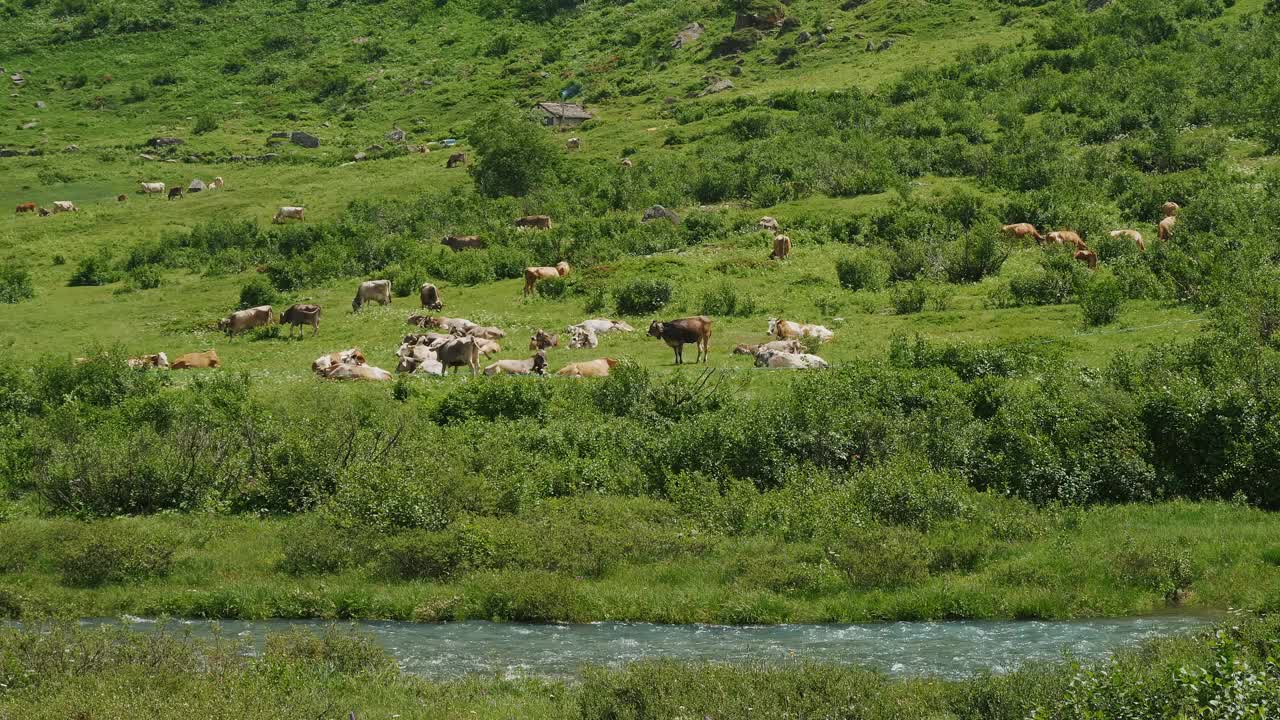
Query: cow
point(537, 222)
point(582, 337)
point(1019, 231)
point(378, 291)
point(289, 213)
point(484, 332)
point(122, 198)
point(1166, 227)
point(1170, 208)
point(774, 359)
point(533, 274)
point(536, 365)
point(455, 160)
point(459, 352)
point(242, 320)
point(1133, 235)
point(44, 212)
point(591, 368)
point(626, 162)
point(1067, 237)
point(26, 207)
point(352, 356)
point(196, 360)
point(786, 330)
point(1088, 257)
point(175, 192)
point(459, 325)
point(487, 348)
point(158, 360)
point(573, 143)
point(302, 314)
point(416, 357)
point(677, 333)
point(542, 340)
point(603, 326)
point(431, 340)
point(781, 247)
point(430, 297)
point(64, 206)
point(458, 243)
point(151, 188)
point(344, 371)
point(216, 184)
point(786, 346)
point(769, 223)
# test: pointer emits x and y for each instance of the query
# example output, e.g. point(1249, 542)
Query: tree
point(513, 155)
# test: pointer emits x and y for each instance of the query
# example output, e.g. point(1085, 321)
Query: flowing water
point(950, 649)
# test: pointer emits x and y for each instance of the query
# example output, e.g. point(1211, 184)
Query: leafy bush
point(95, 269)
point(1101, 299)
point(257, 291)
point(724, 300)
point(553, 288)
point(504, 398)
point(642, 297)
point(15, 284)
point(512, 154)
point(910, 297)
point(882, 557)
point(862, 271)
point(313, 547)
point(145, 277)
point(113, 552)
point(206, 122)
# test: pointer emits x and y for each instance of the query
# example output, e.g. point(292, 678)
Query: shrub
point(724, 300)
point(113, 552)
point(978, 254)
point(1101, 299)
point(95, 270)
point(862, 271)
point(1158, 568)
point(882, 557)
point(257, 291)
point(553, 288)
point(15, 284)
point(145, 277)
point(206, 122)
point(313, 547)
point(512, 154)
point(910, 297)
point(641, 297)
point(503, 398)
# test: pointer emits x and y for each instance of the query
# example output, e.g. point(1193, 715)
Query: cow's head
point(161, 360)
point(773, 326)
point(562, 268)
point(224, 323)
point(540, 363)
point(656, 328)
point(355, 304)
point(744, 350)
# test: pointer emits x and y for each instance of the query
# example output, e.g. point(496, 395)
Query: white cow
point(64, 206)
point(289, 213)
point(582, 337)
point(357, 372)
point(378, 291)
point(603, 326)
point(216, 184)
point(785, 330)
point(779, 360)
point(324, 363)
point(152, 188)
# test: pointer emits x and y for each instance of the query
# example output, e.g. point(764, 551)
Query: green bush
point(513, 156)
point(642, 297)
point(504, 398)
point(314, 547)
point(206, 122)
point(724, 300)
point(95, 269)
point(862, 271)
point(15, 284)
point(882, 557)
point(553, 288)
point(910, 297)
point(112, 552)
point(1101, 299)
point(257, 291)
point(145, 277)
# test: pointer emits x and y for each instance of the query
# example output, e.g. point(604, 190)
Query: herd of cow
point(144, 188)
point(1082, 252)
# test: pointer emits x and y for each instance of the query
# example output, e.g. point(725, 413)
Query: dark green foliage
point(882, 557)
point(145, 277)
point(1101, 299)
point(504, 398)
point(642, 297)
point(96, 269)
point(112, 552)
point(313, 547)
point(15, 284)
point(724, 300)
point(862, 271)
point(513, 156)
point(257, 291)
point(909, 297)
point(553, 288)
point(206, 122)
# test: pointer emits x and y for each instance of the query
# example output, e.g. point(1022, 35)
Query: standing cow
point(678, 333)
point(781, 248)
point(536, 222)
point(175, 193)
point(299, 315)
point(533, 274)
point(430, 297)
point(1022, 230)
point(26, 207)
point(1166, 227)
point(458, 243)
point(289, 213)
point(151, 188)
point(378, 291)
point(238, 322)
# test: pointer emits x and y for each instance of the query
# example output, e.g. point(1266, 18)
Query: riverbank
point(65, 670)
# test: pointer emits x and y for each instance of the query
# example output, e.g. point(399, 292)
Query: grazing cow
point(216, 184)
point(346, 371)
point(626, 162)
point(677, 333)
point(582, 337)
point(64, 206)
point(785, 330)
point(1088, 257)
point(769, 223)
point(299, 315)
point(536, 365)
point(573, 143)
point(484, 332)
point(196, 360)
point(352, 356)
point(44, 212)
point(1133, 235)
point(1170, 208)
point(455, 160)
point(175, 192)
point(238, 322)
point(430, 297)
point(1067, 237)
point(460, 352)
point(158, 360)
point(1020, 231)
point(533, 274)
point(458, 243)
point(786, 346)
point(603, 326)
point(542, 340)
point(781, 247)
point(378, 291)
point(537, 222)
point(590, 368)
point(25, 207)
point(1166, 227)
point(289, 213)
point(122, 198)
point(151, 188)
point(779, 360)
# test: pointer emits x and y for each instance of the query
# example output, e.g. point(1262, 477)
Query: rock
point(145, 156)
point(360, 156)
point(304, 139)
point(396, 135)
point(191, 159)
point(360, 40)
point(803, 37)
point(236, 158)
point(870, 46)
point(735, 71)
point(7, 152)
point(40, 105)
point(196, 186)
point(157, 142)
point(758, 21)
point(884, 45)
point(688, 35)
point(283, 135)
point(268, 157)
point(325, 124)
point(657, 212)
point(373, 149)
point(715, 87)
point(31, 125)
point(822, 38)
point(860, 36)
point(739, 41)
point(171, 160)
point(71, 149)
point(35, 152)
point(828, 28)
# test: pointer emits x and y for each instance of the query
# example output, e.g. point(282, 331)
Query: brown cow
point(242, 320)
point(458, 243)
point(769, 223)
point(677, 333)
point(793, 347)
point(1088, 257)
point(175, 192)
point(1133, 235)
point(1067, 237)
point(352, 356)
point(302, 314)
point(196, 360)
point(1170, 208)
point(542, 340)
point(781, 247)
point(458, 352)
point(430, 297)
point(1022, 230)
point(25, 208)
point(455, 160)
point(537, 222)
point(1166, 227)
point(591, 368)
point(122, 198)
point(533, 274)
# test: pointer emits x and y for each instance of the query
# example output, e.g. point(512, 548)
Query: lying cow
point(461, 325)
point(196, 360)
point(678, 333)
point(289, 213)
point(590, 368)
point(574, 143)
point(542, 340)
point(582, 337)
point(536, 365)
point(302, 314)
point(378, 291)
point(430, 297)
point(1020, 231)
point(787, 346)
point(484, 333)
point(532, 275)
point(458, 243)
point(1133, 235)
point(122, 198)
point(151, 188)
point(352, 356)
point(786, 330)
point(216, 184)
point(431, 340)
point(45, 212)
point(158, 360)
point(603, 326)
point(344, 371)
point(781, 248)
point(64, 206)
point(242, 320)
point(776, 360)
point(537, 222)
point(418, 358)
